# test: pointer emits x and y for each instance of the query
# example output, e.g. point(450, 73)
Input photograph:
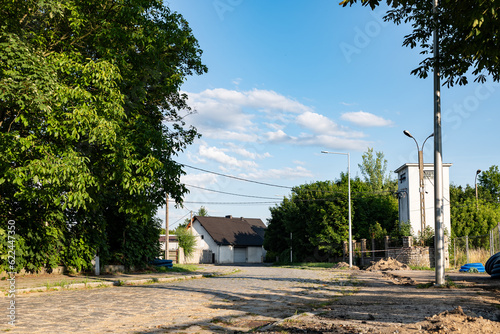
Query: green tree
point(201, 212)
point(468, 32)
point(489, 181)
point(187, 241)
point(376, 231)
point(374, 169)
point(91, 117)
point(466, 217)
point(317, 216)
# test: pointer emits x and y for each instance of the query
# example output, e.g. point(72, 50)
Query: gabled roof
point(234, 231)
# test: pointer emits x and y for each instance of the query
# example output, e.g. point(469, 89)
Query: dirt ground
point(393, 299)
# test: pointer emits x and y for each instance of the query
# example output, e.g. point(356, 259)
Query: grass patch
point(178, 268)
point(120, 283)
point(476, 255)
point(417, 267)
point(424, 285)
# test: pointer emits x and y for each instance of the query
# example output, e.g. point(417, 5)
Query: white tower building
point(409, 196)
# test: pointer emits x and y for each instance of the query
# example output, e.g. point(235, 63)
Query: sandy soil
point(393, 299)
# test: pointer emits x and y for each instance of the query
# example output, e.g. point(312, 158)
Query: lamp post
point(349, 190)
point(421, 175)
point(475, 184)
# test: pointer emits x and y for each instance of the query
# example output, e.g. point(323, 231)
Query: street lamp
point(475, 184)
point(421, 175)
point(349, 190)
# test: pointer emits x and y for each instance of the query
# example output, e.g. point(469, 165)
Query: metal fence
point(472, 249)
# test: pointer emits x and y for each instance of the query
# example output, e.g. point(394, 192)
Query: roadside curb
point(102, 284)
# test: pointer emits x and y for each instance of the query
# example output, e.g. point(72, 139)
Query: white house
point(409, 195)
point(228, 239)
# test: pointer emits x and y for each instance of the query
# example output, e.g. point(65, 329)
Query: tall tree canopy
point(374, 169)
point(489, 180)
point(468, 32)
point(471, 217)
point(90, 120)
point(317, 216)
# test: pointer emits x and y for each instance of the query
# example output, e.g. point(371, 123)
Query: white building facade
point(409, 195)
point(227, 240)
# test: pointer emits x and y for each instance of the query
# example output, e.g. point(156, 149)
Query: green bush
point(186, 240)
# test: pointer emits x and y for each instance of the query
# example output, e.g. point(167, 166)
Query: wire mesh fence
point(474, 249)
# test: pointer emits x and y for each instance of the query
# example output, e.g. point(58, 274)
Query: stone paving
point(252, 296)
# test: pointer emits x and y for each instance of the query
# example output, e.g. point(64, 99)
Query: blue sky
point(288, 79)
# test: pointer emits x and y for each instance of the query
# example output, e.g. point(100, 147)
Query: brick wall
point(408, 254)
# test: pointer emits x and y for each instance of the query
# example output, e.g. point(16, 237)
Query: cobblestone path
point(243, 300)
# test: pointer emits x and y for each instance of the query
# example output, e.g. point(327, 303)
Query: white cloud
point(347, 104)
point(277, 136)
point(256, 98)
point(259, 116)
point(322, 140)
point(365, 119)
point(285, 173)
point(222, 134)
point(222, 112)
point(199, 179)
point(219, 155)
point(322, 125)
point(246, 153)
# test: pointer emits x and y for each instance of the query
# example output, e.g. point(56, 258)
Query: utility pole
point(438, 160)
point(166, 227)
point(191, 221)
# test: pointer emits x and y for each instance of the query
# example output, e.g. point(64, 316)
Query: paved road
point(253, 296)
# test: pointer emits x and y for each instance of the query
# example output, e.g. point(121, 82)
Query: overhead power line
point(227, 193)
point(380, 192)
point(238, 178)
point(235, 203)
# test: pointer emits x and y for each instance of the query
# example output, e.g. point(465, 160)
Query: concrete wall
point(255, 254)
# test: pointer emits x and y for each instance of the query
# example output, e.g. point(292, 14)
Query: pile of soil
point(389, 264)
point(455, 321)
point(344, 265)
point(450, 322)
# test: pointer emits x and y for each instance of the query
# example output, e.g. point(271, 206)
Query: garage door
point(240, 255)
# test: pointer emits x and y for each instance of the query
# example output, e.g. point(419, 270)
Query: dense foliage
point(90, 119)
point(468, 34)
point(471, 216)
point(317, 216)
point(187, 240)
